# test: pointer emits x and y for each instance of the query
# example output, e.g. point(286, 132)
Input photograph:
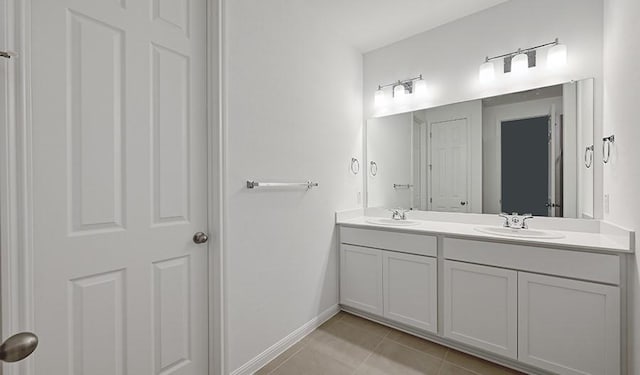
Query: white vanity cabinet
point(410, 292)
point(568, 327)
point(565, 326)
point(398, 283)
point(528, 305)
point(480, 307)
point(361, 278)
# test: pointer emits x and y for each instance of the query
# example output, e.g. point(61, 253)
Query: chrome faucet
point(515, 221)
point(398, 214)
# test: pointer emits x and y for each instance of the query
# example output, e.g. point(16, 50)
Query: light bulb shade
point(380, 98)
point(398, 92)
point(557, 56)
point(420, 88)
point(487, 72)
point(520, 63)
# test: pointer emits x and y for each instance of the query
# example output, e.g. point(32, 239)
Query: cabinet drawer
point(380, 239)
point(579, 265)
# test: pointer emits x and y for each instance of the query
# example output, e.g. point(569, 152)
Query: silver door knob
point(200, 237)
point(18, 347)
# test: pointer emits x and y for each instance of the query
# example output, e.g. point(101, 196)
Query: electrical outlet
point(606, 203)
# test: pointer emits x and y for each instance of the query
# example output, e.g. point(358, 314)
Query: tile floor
point(347, 344)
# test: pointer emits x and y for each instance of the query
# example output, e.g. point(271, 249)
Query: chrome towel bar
point(256, 184)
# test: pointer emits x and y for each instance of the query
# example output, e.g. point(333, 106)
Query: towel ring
point(607, 142)
point(355, 166)
point(588, 156)
point(373, 169)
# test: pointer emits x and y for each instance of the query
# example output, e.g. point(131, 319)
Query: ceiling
point(371, 24)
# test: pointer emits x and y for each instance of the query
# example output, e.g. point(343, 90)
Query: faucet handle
point(398, 213)
point(525, 217)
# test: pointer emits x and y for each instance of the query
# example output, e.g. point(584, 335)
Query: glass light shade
point(398, 92)
point(380, 98)
point(520, 63)
point(557, 56)
point(487, 72)
point(420, 88)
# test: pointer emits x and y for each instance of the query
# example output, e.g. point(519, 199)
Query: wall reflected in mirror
point(525, 152)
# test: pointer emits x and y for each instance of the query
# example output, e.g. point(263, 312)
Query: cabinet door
point(480, 307)
point(410, 290)
point(361, 278)
point(568, 326)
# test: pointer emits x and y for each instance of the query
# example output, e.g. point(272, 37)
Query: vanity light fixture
point(557, 55)
point(522, 59)
point(380, 98)
point(420, 87)
point(520, 63)
point(400, 90)
point(487, 71)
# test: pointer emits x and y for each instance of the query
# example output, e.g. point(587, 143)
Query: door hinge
point(430, 167)
point(430, 135)
point(430, 200)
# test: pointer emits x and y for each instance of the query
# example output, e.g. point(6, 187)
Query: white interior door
point(119, 176)
point(450, 166)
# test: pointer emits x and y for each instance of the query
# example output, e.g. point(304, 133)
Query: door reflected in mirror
point(517, 152)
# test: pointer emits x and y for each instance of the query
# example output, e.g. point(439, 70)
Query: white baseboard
point(278, 348)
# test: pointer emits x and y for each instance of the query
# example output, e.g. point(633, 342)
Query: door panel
point(410, 290)
point(569, 327)
point(119, 176)
point(480, 307)
point(361, 278)
point(450, 166)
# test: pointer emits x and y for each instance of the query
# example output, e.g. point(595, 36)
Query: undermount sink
point(519, 233)
point(392, 222)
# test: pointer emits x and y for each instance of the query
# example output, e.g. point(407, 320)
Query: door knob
point(18, 347)
point(463, 203)
point(200, 237)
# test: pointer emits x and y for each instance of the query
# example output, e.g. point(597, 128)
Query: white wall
point(622, 174)
point(389, 142)
point(449, 56)
point(293, 112)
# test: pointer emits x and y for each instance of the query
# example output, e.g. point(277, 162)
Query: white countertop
point(575, 240)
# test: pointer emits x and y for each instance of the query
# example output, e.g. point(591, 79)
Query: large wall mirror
point(525, 152)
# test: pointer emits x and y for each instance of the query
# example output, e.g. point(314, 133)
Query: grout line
point(371, 352)
point(289, 357)
point(446, 350)
point(442, 361)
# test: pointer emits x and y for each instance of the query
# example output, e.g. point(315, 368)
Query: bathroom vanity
point(540, 305)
